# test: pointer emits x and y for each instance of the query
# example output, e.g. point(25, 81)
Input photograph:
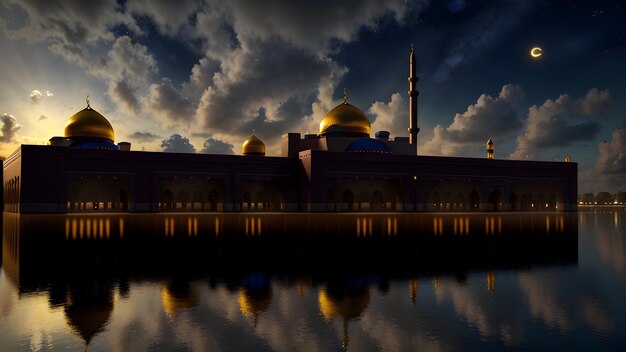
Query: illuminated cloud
point(42, 117)
point(9, 128)
point(392, 116)
point(36, 96)
point(489, 117)
point(610, 169)
point(595, 103)
point(177, 144)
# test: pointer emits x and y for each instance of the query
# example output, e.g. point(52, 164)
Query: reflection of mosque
point(339, 169)
point(72, 262)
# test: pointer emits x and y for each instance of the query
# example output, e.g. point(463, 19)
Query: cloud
point(42, 117)
point(313, 25)
point(596, 102)
point(168, 102)
point(144, 136)
point(489, 117)
point(169, 16)
point(36, 96)
point(177, 144)
point(9, 128)
point(49, 93)
point(392, 116)
point(547, 126)
point(612, 154)
point(216, 146)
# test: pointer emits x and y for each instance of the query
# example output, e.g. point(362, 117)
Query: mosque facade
point(342, 168)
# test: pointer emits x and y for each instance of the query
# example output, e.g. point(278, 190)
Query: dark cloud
point(612, 155)
point(264, 87)
point(9, 128)
point(42, 117)
point(144, 136)
point(177, 144)
point(169, 16)
point(547, 126)
point(124, 94)
point(489, 117)
point(168, 102)
point(216, 146)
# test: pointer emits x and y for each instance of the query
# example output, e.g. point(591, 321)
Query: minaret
point(413, 93)
point(489, 149)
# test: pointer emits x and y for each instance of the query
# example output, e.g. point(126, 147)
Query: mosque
point(342, 168)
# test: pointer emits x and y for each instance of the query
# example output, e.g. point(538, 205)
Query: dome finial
point(345, 95)
point(253, 132)
point(412, 49)
point(87, 100)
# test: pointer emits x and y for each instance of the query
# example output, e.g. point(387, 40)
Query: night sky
point(199, 76)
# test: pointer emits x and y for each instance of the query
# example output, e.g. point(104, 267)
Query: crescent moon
point(536, 52)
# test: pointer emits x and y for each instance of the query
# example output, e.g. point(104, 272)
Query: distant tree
point(604, 198)
point(619, 197)
point(589, 198)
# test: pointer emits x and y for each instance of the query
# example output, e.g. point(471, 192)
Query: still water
point(393, 282)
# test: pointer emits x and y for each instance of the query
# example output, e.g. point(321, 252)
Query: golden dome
point(90, 124)
point(345, 118)
point(253, 146)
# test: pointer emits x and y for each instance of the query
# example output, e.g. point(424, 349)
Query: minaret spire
point(413, 93)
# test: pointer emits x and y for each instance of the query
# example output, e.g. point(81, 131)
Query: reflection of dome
point(368, 145)
point(88, 314)
point(345, 118)
point(348, 304)
point(88, 123)
point(253, 146)
point(172, 302)
point(253, 301)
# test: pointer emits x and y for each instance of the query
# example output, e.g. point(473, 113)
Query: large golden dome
point(88, 123)
point(345, 118)
point(253, 146)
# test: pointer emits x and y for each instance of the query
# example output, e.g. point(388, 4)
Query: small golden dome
point(345, 118)
point(88, 123)
point(253, 146)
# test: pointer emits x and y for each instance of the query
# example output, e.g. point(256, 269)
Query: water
point(393, 282)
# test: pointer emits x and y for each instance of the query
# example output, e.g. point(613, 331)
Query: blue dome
point(96, 144)
point(368, 145)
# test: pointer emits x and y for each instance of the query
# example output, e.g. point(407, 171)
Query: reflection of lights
point(547, 224)
point(107, 228)
point(217, 226)
point(491, 281)
point(122, 228)
point(413, 290)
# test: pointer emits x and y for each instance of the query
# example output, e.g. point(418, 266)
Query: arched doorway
point(513, 202)
point(347, 200)
point(436, 200)
point(167, 200)
point(412, 199)
point(214, 198)
point(275, 201)
point(552, 201)
point(391, 201)
point(459, 204)
point(124, 200)
point(246, 204)
point(541, 202)
point(447, 201)
point(474, 201)
point(495, 200)
point(198, 202)
point(377, 201)
point(183, 199)
point(259, 201)
point(362, 201)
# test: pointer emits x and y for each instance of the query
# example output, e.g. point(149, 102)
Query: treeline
point(602, 198)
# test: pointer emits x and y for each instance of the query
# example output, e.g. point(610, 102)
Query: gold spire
point(490, 149)
point(87, 100)
point(345, 95)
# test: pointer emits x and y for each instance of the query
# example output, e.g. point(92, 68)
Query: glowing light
point(536, 52)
